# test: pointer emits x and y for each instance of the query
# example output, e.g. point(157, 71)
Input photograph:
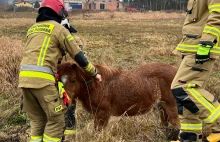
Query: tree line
point(157, 5)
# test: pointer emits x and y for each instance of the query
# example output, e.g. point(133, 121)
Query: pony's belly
point(131, 110)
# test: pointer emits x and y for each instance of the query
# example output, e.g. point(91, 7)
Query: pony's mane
point(108, 72)
point(64, 67)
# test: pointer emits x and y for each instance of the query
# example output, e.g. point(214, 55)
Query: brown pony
point(124, 92)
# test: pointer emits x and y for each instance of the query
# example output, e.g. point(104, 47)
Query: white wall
point(10, 1)
point(6, 2)
point(68, 7)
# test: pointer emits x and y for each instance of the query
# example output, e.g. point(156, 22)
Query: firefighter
point(44, 99)
point(198, 109)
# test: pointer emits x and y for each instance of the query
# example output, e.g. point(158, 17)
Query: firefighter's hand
point(98, 77)
point(203, 54)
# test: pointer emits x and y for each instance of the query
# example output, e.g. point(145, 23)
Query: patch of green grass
point(15, 119)
point(216, 74)
point(170, 60)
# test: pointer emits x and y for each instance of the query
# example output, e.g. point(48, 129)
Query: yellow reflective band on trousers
point(192, 127)
point(214, 8)
point(43, 51)
point(212, 30)
point(213, 116)
point(190, 85)
point(69, 37)
point(88, 68)
point(50, 139)
point(35, 74)
point(36, 139)
point(201, 99)
point(193, 48)
point(69, 132)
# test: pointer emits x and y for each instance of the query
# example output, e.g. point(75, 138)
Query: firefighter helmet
point(57, 6)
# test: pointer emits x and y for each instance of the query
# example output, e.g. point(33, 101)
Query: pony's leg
point(171, 120)
point(169, 107)
point(101, 119)
point(163, 114)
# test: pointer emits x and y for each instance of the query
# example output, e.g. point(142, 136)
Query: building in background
point(111, 5)
point(6, 2)
point(74, 4)
point(26, 3)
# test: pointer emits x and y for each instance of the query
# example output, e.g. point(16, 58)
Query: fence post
point(14, 7)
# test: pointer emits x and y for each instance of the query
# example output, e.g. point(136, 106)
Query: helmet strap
point(63, 13)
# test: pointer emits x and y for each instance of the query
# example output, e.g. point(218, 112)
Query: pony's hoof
point(172, 133)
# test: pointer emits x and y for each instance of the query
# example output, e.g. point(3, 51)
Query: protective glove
point(98, 77)
point(203, 54)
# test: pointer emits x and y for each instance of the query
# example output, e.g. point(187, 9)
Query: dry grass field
point(123, 40)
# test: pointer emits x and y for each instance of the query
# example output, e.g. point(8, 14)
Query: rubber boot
point(214, 137)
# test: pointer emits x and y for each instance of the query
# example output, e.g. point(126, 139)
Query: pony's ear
point(74, 66)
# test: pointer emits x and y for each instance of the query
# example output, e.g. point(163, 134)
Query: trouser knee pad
point(189, 136)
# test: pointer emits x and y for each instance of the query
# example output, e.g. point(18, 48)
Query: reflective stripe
point(88, 68)
point(201, 99)
point(69, 132)
point(214, 8)
point(193, 48)
point(190, 85)
point(193, 127)
point(36, 74)
point(213, 116)
point(43, 51)
point(212, 30)
point(215, 50)
point(215, 112)
point(187, 47)
point(36, 139)
point(41, 28)
point(50, 139)
point(70, 37)
point(36, 68)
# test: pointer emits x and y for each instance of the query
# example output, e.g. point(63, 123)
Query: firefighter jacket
point(46, 43)
point(202, 24)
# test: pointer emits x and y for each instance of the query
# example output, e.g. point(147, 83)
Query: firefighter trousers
point(46, 111)
point(198, 109)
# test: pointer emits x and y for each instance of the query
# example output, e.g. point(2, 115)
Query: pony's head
point(67, 74)
point(73, 77)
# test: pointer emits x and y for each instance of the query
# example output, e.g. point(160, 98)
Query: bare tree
point(156, 5)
